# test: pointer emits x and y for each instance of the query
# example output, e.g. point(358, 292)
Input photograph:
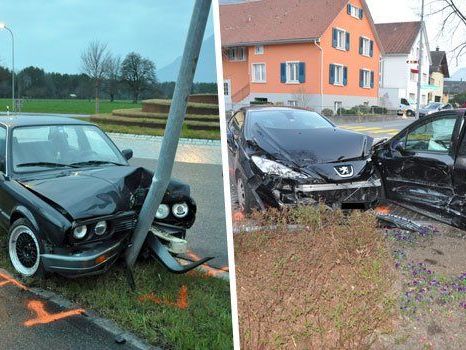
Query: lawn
point(201, 319)
point(68, 106)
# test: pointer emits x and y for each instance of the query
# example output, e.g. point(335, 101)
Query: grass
point(68, 106)
point(138, 113)
point(326, 285)
point(191, 104)
point(204, 324)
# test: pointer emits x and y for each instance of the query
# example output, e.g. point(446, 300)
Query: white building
point(399, 65)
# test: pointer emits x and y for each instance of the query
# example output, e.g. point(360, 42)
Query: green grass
point(205, 324)
point(192, 104)
point(138, 113)
point(70, 106)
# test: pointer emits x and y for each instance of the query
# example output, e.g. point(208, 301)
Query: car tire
point(24, 249)
point(410, 113)
point(245, 197)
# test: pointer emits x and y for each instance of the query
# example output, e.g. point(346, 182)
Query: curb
point(183, 141)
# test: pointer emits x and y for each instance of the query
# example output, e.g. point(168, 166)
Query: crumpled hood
point(93, 192)
point(312, 146)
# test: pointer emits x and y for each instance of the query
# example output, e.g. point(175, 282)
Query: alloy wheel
point(24, 250)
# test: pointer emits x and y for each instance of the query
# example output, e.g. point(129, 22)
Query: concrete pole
point(420, 59)
point(3, 26)
point(173, 129)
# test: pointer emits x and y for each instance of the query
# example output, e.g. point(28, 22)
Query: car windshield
point(45, 147)
point(433, 105)
point(288, 119)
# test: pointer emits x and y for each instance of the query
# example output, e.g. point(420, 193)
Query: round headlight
point(162, 211)
point(100, 228)
point(180, 210)
point(80, 232)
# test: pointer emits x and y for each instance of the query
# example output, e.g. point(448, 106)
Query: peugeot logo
point(132, 201)
point(344, 170)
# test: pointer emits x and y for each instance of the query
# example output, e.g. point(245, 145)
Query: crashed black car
point(285, 156)
point(69, 200)
point(423, 167)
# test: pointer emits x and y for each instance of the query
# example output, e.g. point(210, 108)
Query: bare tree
point(453, 23)
point(94, 63)
point(138, 73)
point(113, 76)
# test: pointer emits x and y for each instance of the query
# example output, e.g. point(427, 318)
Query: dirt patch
point(330, 284)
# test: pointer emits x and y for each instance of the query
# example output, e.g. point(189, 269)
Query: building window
point(293, 103)
point(354, 11)
point(259, 50)
point(292, 72)
point(424, 78)
point(337, 107)
point(258, 73)
point(366, 47)
point(366, 79)
point(412, 97)
point(226, 90)
point(413, 75)
point(338, 74)
point(341, 39)
point(381, 66)
point(236, 54)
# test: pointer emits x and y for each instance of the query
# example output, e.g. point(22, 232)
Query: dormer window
point(354, 11)
point(236, 54)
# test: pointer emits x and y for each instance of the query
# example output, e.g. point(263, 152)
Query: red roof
point(398, 38)
point(275, 21)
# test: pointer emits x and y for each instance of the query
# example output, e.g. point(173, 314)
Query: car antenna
point(170, 140)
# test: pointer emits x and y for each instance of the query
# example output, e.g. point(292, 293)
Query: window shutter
point(302, 72)
point(334, 38)
point(361, 78)
point(283, 72)
point(332, 74)
point(347, 41)
point(371, 50)
point(348, 9)
point(360, 13)
point(345, 76)
point(372, 79)
point(361, 40)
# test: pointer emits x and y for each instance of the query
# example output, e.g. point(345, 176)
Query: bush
point(379, 110)
point(327, 112)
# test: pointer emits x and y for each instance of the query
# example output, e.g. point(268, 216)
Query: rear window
point(288, 119)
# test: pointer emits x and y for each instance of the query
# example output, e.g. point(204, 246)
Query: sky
point(51, 34)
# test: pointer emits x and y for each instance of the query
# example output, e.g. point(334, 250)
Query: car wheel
point(245, 197)
point(409, 113)
point(24, 249)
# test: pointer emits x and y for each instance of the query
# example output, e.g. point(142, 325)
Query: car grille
point(124, 224)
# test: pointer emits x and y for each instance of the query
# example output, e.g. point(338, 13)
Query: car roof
point(269, 107)
point(29, 120)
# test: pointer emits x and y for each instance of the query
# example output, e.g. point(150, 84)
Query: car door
point(4, 197)
point(235, 127)
point(418, 167)
point(459, 176)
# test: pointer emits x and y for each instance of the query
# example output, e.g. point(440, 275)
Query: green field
point(70, 106)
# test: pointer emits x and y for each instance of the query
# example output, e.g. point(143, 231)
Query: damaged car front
point(285, 156)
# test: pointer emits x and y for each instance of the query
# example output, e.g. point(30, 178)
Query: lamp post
point(4, 26)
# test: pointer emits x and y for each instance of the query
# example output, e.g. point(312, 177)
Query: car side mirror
point(127, 153)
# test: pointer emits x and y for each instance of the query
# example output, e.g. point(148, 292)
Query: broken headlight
point(270, 167)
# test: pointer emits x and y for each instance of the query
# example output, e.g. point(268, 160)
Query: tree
point(113, 76)
point(138, 73)
point(95, 61)
point(453, 23)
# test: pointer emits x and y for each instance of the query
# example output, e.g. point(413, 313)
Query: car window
point(288, 119)
point(237, 122)
point(433, 136)
point(2, 148)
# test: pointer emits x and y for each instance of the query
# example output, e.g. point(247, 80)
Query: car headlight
point(162, 211)
point(80, 232)
point(273, 168)
point(180, 210)
point(100, 228)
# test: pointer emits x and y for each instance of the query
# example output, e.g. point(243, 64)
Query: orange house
point(314, 53)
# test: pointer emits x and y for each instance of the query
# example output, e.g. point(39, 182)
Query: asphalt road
point(380, 129)
point(208, 235)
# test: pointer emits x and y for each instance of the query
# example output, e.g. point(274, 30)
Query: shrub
point(327, 112)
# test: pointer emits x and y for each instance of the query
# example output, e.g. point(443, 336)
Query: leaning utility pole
point(420, 59)
point(172, 131)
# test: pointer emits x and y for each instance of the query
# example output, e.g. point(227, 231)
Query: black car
point(286, 156)
point(424, 166)
point(69, 199)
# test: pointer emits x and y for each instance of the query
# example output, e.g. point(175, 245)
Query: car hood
point(94, 192)
point(314, 146)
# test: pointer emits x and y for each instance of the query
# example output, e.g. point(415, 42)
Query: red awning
point(415, 71)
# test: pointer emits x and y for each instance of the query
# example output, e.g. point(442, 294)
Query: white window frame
point(289, 64)
point(338, 74)
point(354, 11)
point(259, 50)
point(263, 78)
point(293, 103)
point(366, 78)
point(366, 46)
point(341, 34)
point(236, 57)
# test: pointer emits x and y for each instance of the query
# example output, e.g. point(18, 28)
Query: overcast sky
point(51, 34)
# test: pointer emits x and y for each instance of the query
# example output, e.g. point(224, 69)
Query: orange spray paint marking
point(181, 302)
point(43, 317)
point(209, 270)
point(382, 210)
point(10, 280)
point(238, 216)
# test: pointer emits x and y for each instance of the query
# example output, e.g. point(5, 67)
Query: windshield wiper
point(95, 162)
point(47, 164)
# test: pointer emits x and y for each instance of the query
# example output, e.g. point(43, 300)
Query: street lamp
point(4, 26)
